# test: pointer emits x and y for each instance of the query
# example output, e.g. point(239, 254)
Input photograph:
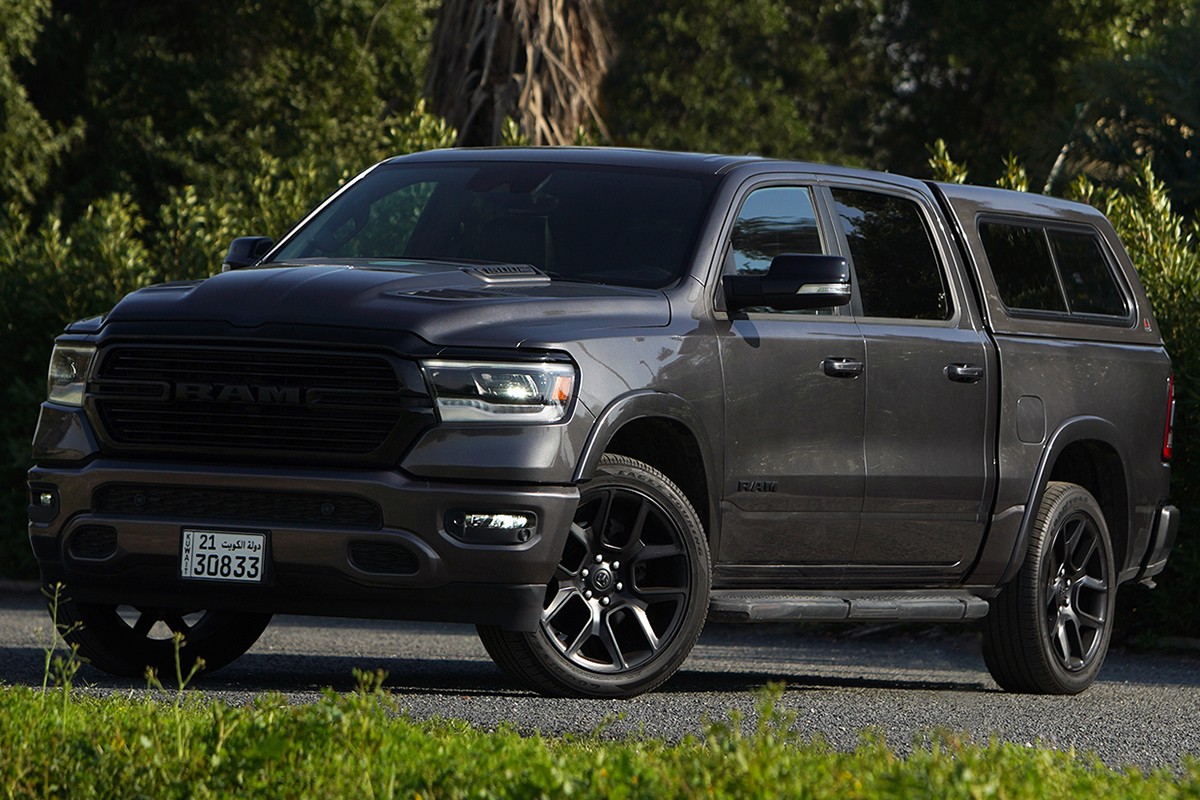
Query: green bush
point(1163, 246)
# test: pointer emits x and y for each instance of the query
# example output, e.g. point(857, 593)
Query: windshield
point(631, 227)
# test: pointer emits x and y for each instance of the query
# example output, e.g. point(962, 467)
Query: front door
point(794, 391)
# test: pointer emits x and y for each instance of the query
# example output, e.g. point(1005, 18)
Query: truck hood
point(468, 305)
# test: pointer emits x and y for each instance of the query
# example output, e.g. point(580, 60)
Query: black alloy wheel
point(1048, 630)
point(628, 598)
point(127, 640)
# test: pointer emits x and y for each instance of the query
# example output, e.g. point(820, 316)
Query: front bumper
point(130, 553)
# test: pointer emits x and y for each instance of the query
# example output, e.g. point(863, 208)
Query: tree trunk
point(537, 62)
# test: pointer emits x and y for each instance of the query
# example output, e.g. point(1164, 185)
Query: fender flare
point(1069, 431)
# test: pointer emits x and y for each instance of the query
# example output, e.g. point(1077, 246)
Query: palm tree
point(538, 63)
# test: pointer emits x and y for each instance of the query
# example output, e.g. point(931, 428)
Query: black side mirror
point(794, 281)
point(246, 251)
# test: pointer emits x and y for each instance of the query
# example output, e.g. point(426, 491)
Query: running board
point(732, 605)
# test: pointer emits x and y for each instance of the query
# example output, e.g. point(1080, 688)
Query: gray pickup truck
point(587, 398)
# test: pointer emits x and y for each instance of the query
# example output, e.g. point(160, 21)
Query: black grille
point(386, 558)
point(93, 541)
point(239, 505)
point(226, 399)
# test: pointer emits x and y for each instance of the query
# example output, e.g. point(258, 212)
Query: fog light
point(43, 503)
point(506, 527)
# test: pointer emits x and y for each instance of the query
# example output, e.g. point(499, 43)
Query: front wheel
point(126, 640)
point(1048, 629)
point(629, 597)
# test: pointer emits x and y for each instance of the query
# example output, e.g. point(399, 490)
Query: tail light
point(1169, 432)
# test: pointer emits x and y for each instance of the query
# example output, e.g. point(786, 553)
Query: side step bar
point(735, 605)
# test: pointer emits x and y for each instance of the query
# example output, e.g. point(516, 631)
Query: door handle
point(842, 367)
point(964, 373)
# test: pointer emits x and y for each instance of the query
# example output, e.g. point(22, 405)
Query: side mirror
point(794, 281)
point(246, 251)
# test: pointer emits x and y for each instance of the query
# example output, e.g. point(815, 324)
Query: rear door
point(929, 379)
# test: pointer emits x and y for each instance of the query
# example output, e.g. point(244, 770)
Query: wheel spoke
point(661, 593)
point(1080, 565)
point(609, 640)
point(565, 593)
point(651, 552)
point(1064, 641)
point(1094, 622)
point(145, 621)
point(657, 553)
point(1095, 584)
point(603, 517)
point(639, 522)
point(586, 631)
point(1073, 531)
point(643, 621)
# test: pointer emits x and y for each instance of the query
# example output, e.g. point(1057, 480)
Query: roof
point(611, 156)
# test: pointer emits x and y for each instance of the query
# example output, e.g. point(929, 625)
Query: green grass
point(60, 743)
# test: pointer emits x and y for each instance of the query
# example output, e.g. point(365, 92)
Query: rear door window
point(898, 273)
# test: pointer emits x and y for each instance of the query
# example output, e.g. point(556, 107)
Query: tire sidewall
point(1068, 501)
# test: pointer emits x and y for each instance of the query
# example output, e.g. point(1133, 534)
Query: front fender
point(649, 404)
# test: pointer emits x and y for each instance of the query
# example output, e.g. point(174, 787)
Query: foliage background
point(137, 139)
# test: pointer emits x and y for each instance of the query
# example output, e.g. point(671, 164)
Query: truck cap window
point(625, 226)
point(1043, 269)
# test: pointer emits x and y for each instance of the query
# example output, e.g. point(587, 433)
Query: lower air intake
point(383, 558)
point(93, 542)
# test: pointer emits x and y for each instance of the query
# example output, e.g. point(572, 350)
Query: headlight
point(69, 367)
point(471, 391)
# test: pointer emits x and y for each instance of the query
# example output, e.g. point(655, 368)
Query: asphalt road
point(1144, 710)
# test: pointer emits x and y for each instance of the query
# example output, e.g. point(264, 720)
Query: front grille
point(239, 505)
point(224, 400)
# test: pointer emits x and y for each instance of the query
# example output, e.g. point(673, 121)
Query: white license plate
point(223, 556)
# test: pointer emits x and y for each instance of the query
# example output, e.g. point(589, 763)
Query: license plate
point(222, 556)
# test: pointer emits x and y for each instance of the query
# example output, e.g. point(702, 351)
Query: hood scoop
point(508, 274)
point(488, 280)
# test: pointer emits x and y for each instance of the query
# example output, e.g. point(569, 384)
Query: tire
point(1049, 628)
point(125, 641)
point(629, 597)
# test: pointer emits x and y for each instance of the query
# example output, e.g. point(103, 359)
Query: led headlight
point(69, 367)
point(472, 391)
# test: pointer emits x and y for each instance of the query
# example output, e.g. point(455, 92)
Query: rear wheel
point(629, 597)
point(125, 640)
point(1049, 628)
